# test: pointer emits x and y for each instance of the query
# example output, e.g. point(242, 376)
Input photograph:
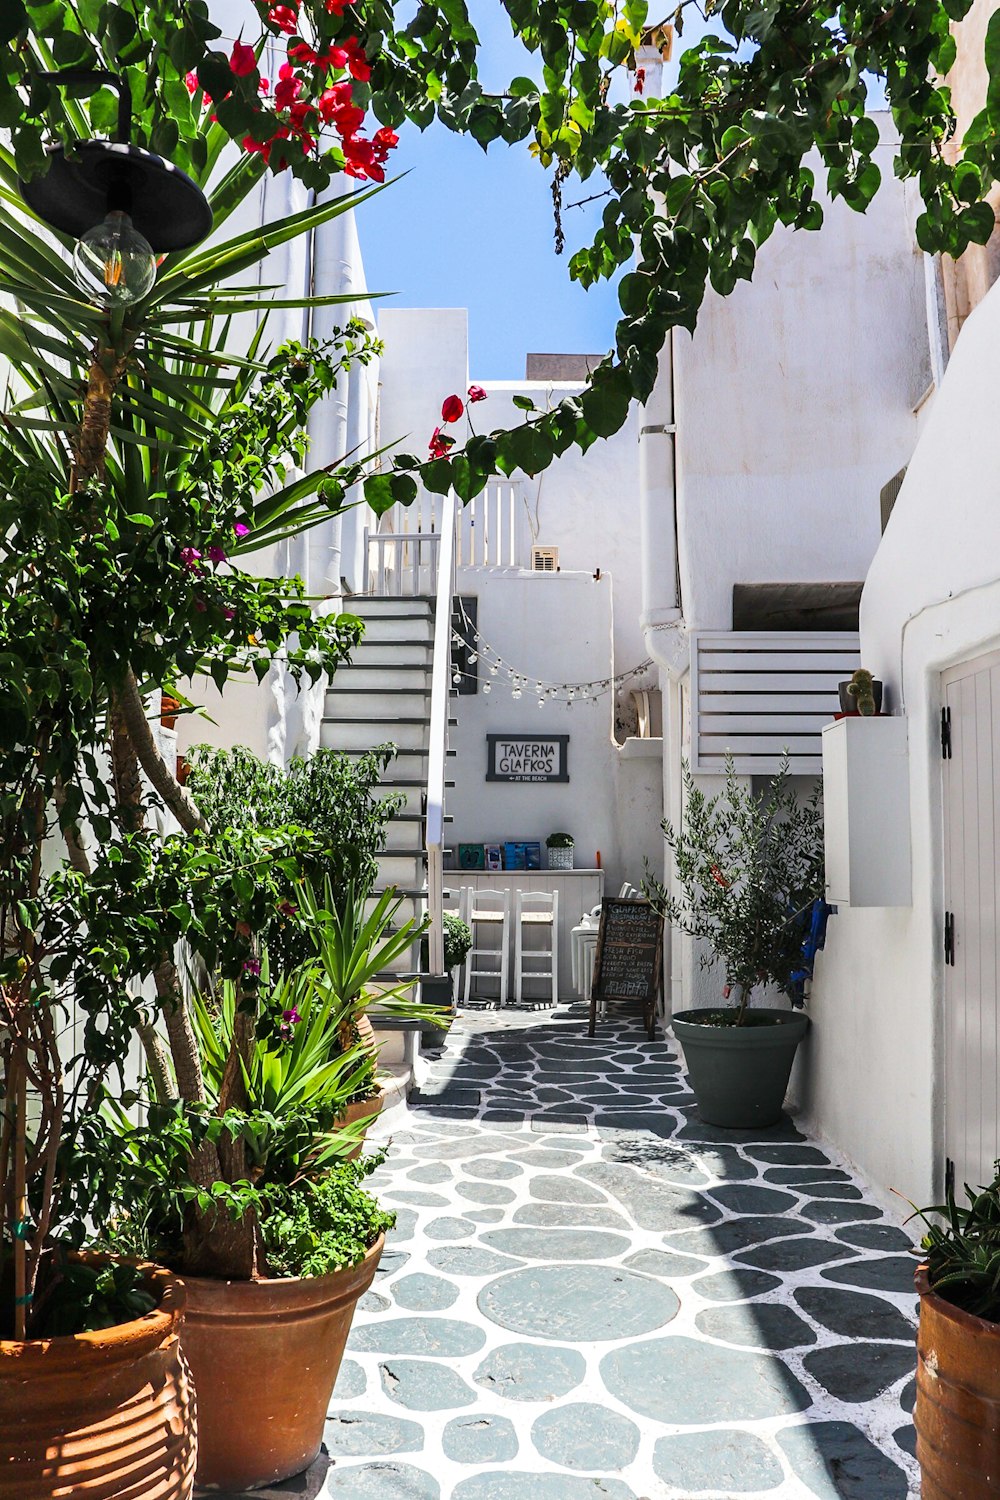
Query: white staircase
point(383, 696)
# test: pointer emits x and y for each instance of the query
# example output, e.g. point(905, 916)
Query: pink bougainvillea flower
point(241, 528)
point(439, 445)
point(217, 554)
point(242, 60)
point(476, 393)
point(287, 908)
point(264, 86)
point(284, 18)
point(251, 966)
point(640, 80)
point(191, 557)
point(452, 408)
point(291, 1017)
point(191, 83)
point(228, 612)
point(288, 88)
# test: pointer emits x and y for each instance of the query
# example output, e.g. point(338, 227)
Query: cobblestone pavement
point(589, 1295)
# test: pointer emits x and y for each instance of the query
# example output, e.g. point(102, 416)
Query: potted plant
point(862, 694)
point(749, 868)
point(957, 1412)
point(267, 1346)
point(560, 851)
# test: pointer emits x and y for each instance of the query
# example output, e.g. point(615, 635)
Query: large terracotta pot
point(264, 1356)
point(107, 1415)
point(958, 1400)
point(361, 1109)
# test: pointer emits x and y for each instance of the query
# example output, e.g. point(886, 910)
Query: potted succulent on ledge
point(560, 851)
point(862, 694)
point(749, 868)
point(957, 1411)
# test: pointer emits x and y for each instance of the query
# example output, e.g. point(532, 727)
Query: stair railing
point(438, 743)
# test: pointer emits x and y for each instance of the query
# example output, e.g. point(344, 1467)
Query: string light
point(590, 691)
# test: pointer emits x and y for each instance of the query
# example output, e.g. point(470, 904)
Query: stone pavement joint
point(590, 1295)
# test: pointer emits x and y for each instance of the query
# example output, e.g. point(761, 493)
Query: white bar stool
point(536, 909)
point(490, 910)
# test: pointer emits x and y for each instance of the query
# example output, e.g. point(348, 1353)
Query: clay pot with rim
point(108, 1415)
point(265, 1356)
point(957, 1414)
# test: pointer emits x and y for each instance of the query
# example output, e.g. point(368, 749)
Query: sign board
point(527, 757)
point(628, 964)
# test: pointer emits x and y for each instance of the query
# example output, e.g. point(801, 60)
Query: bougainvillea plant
point(694, 182)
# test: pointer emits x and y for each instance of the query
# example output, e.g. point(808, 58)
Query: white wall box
point(866, 808)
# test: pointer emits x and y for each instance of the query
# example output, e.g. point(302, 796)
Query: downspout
point(662, 618)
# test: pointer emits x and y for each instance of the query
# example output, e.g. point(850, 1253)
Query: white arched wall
point(932, 599)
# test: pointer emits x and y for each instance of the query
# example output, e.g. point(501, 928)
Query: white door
point(971, 772)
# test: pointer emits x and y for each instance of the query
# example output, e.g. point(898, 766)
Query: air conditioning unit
point(545, 559)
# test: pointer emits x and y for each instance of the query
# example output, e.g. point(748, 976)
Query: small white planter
point(560, 859)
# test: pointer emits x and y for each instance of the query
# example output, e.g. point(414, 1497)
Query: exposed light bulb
point(572, 694)
point(538, 687)
point(473, 658)
point(494, 667)
point(541, 703)
point(457, 679)
point(487, 687)
point(114, 264)
point(516, 693)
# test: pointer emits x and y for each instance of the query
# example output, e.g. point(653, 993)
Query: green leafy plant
point(313, 1228)
point(559, 841)
point(749, 866)
point(962, 1250)
point(457, 940)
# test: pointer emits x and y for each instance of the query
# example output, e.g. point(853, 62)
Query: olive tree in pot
point(749, 868)
point(957, 1412)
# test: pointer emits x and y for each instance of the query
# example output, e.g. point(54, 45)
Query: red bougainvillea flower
point(337, 7)
point(303, 53)
point(333, 100)
point(241, 528)
point(191, 558)
point(452, 408)
point(217, 554)
point(191, 83)
point(242, 60)
point(476, 393)
point(640, 80)
point(383, 141)
point(439, 444)
point(360, 67)
point(284, 18)
point(288, 88)
point(263, 147)
point(264, 86)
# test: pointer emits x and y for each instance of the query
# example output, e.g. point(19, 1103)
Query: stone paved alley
point(591, 1296)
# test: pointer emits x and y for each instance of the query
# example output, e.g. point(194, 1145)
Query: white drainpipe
point(662, 617)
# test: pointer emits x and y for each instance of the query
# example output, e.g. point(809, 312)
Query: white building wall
point(795, 405)
point(932, 600)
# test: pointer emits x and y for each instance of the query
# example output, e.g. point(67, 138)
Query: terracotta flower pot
point(264, 1356)
point(958, 1400)
point(362, 1109)
point(107, 1415)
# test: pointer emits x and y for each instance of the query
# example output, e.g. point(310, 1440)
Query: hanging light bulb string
point(480, 650)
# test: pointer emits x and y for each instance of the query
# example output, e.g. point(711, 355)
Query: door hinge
point(949, 938)
point(949, 1177)
point(946, 734)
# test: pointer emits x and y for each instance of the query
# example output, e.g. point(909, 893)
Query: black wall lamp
point(124, 205)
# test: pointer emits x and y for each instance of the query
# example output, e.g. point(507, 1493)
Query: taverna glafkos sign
point(527, 757)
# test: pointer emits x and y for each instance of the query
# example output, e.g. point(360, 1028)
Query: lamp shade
point(80, 187)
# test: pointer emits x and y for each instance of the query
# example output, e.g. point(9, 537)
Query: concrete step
point(369, 605)
point(402, 868)
point(377, 678)
point(399, 628)
point(411, 653)
point(359, 735)
point(344, 701)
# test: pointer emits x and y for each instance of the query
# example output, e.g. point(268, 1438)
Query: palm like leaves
point(182, 378)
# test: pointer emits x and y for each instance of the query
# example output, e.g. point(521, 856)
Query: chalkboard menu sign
point(629, 959)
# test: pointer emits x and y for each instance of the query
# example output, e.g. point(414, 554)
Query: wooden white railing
point(757, 695)
point(444, 591)
point(491, 531)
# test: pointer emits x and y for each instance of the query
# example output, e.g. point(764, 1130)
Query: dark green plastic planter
point(739, 1074)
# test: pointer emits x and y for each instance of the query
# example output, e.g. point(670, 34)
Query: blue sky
point(464, 229)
